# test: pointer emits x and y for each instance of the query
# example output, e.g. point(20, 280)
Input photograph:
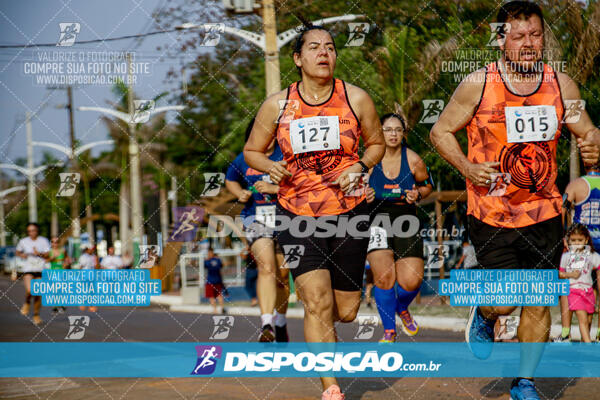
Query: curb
point(425, 321)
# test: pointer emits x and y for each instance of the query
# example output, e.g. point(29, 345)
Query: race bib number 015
point(530, 123)
point(315, 134)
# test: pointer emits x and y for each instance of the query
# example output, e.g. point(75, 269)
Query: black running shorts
point(537, 246)
point(343, 256)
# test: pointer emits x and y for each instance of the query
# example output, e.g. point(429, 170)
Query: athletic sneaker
point(281, 334)
point(409, 325)
point(523, 389)
point(267, 334)
point(333, 393)
point(389, 336)
point(479, 334)
point(562, 339)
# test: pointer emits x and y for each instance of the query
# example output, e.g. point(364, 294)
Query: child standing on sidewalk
point(577, 265)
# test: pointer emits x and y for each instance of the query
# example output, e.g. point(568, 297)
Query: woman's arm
point(417, 165)
point(263, 133)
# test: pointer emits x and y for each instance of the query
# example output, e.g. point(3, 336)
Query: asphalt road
point(158, 324)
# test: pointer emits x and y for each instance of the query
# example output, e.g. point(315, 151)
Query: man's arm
point(456, 115)
point(588, 135)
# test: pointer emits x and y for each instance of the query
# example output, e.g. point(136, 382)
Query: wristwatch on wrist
point(364, 167)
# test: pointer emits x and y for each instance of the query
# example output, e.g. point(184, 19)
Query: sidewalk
point(430, 314)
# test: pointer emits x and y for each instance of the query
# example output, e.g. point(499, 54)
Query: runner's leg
point(409, 275)
point(263, 250)
point(534, 326)
point(314, 287)
point(27, 284)
point(283, 286)
point(384, 277)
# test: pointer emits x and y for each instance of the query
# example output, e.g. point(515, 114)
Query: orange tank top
point(531, 195)
point(318, 142)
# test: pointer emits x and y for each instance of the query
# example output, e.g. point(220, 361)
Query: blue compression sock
point(404, 298)
point(386, 304)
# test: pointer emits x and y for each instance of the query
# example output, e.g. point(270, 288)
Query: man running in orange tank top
point(513, 111)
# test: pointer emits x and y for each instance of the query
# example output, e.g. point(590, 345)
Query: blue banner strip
point(223, 359)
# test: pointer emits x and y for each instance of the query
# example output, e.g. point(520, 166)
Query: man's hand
point(278, 172)
point(244, 196)
point(344, 180)
point(370, 194)
point(480, 174)
point(589, 152)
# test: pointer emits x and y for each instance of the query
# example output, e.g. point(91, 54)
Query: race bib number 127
point(315, 134)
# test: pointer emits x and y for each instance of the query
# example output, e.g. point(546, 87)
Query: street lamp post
point(270, 42)
point(72, 153)
point(30, 174)
point(135, 177)
point(3, 194)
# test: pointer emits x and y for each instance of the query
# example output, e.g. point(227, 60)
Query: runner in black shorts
point(343, 256)
point(258, 194)
point(319, 122)
point(395, 185)
point(536, 246)
point(513, 198)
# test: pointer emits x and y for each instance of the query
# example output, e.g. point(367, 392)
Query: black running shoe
point(267, 334)
point(281, 334)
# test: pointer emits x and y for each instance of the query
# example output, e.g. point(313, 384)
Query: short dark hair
point(33, 224)
point(518, 9)
point(300, 39)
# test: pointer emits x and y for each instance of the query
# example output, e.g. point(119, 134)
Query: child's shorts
point(582, 299)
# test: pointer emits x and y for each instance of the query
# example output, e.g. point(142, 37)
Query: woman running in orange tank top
point(318, 122)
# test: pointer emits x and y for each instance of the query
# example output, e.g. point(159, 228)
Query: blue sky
point(38, 22)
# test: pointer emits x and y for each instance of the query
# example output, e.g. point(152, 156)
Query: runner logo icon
point(68, 184)
point(77, 325)
point(68, 33)
point(207, 359)
point(366, 326)
point(292, 254)
point(222, 326)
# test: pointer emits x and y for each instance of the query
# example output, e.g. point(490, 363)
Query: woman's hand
point(278, 172)
point(346, 184)
point(412, 196)
point(370, 194)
